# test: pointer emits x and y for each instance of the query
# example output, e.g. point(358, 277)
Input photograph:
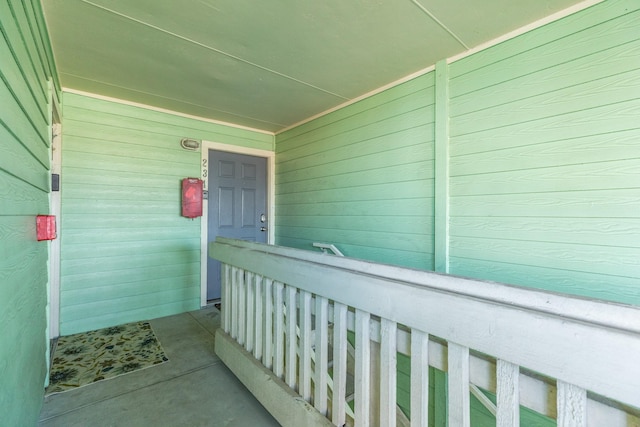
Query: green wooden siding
point(545, 165)
point(25, 70)
point(362, 178)
point(127, 254)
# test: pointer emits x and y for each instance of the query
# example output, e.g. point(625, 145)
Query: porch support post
point(441, 172)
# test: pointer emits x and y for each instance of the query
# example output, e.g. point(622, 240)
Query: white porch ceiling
point(266, 64)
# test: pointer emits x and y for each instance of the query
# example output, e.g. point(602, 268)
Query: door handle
point(263, 228)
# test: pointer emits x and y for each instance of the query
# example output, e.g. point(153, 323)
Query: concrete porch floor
point(193, 388)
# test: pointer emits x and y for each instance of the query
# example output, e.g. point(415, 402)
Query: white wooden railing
point(572, 359)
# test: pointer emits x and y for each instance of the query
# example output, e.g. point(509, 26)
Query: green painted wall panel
point(116, 115)
point(19, 39)
point(12, 71)
point(24, 186)
point(147, 311)
point(329, 125)
point(362, 179)
point(21, 163)
point(590, 68)
point(572, 28)
point(104, 293)
point(24, 198)
point(544, 162)
point(26, 128)
point(24, 23)
point(127, 253)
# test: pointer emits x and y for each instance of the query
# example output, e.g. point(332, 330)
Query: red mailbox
point(192, 197)
point(45, 227)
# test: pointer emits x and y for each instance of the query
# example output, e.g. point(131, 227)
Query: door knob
point(263, 228)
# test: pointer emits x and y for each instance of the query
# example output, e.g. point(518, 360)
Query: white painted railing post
point(419, 379)
point(321, 370)
point(362, 369)
point(338, 406)
point(258, 318)
point(250, 310)
point(388, 369)
point(458, 402)
point(242, 306)
point(225, 307)
point(305, 346)
point(508, 394)
point(267, 325)
point(235, 303)
point(278, 330)
point(291, 339)
point(572, 405)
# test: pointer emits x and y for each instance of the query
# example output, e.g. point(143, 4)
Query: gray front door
point(237, 204)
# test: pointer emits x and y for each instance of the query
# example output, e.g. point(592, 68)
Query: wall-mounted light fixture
point(189, 144)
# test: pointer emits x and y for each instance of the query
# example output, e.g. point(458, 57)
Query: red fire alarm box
point(192, 197)
point(45, 227)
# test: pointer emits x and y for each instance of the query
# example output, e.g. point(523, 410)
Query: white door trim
point(54, 254)
point(270, 156)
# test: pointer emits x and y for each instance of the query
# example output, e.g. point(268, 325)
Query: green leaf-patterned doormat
point(88, 357)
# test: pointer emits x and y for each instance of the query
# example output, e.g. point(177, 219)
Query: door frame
point(55, 208)
point(270, 156)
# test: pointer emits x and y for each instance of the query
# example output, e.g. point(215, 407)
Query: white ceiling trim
point(163, 110)
point(515, 33)
point(213, 49)
point(437, 21)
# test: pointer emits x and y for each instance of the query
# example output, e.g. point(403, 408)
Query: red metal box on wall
point(192, 197)
point(45, 227)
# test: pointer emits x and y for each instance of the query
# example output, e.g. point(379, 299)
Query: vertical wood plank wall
point(25, 69)
point(127, 253)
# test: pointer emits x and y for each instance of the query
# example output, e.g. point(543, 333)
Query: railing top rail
point(592, 344)
point(605, 313)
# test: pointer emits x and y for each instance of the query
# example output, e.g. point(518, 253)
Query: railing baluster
point(458, 402)
point(242, 307)
point(338, 405)
point(258, 318)
point(572, 405)
point(267, 327)
point(226, 298)
point(322, 357)
point(291, 339)
point(419, 378)
point(508, 394)
point(250, 310)
point(362, 369)
point(279, 342)
point(388, 366)
point(235, 303)
point(305, 345)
